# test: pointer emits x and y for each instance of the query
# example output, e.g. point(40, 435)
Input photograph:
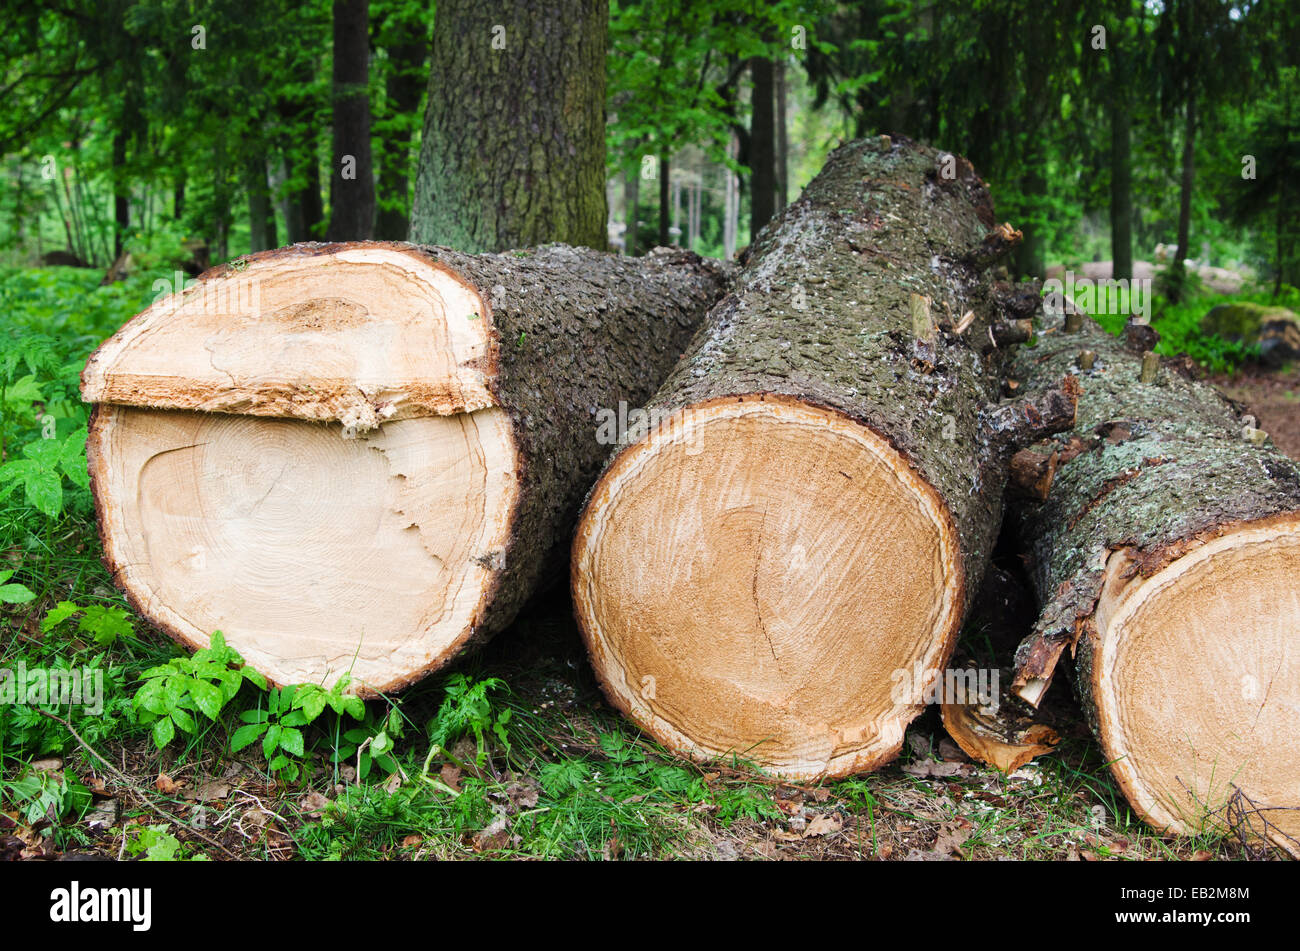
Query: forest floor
point(1273, 398)
point(530, 763)
point(579, 783)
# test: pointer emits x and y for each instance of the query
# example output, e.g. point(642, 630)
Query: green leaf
point(16, 593)
point(245, 735)
point(291, 741)
point(207, 697)
point(312, 703)
point(45, 491)
point(271, 740)
point(105, 624)
point(58, 614)
point(184, 722)
point(163, 732)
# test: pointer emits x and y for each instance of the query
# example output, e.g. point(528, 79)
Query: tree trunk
point(121, 194)
point(631, 200)
point(782, 140)
point(1121, 170)
point(365, 457)
point(1166, 556)
point(261, 213)
point(352, 175)
point(762, 147)
point(513, 152)
point(403, 89)
point(1185, 201)
point(819, 487)
point(731, 206)
point(665, 208)
point(221, 202)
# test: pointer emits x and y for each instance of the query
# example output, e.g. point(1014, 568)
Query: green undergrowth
point(512, 754)
point(1179, 323)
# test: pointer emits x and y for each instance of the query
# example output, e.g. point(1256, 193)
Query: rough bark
point(528, 346)
point(1153, 477)
point(846, 315)
point(513, 151)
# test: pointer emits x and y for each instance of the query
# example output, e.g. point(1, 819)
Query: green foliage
point(279, 725)
point(467, 709)
point(47, 795)
point(42, 469)
point(202, 684)
point(1179, 325)
point(155, 843)
point(371, 743)
point(746, 802)
point(14, 593)
point(102, 623)
point(24, 731)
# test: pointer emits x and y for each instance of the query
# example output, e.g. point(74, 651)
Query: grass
point(514, 755)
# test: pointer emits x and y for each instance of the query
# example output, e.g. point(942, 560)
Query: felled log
point(364, 457)
point(779, 566)
point(1166, 557)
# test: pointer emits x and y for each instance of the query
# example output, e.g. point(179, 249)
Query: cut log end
point(813, 586)
point(359, 334)
point(1195, 681)
point(315, 555)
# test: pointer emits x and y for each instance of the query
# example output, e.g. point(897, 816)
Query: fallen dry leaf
point(613, 849)
point(165, 784)
point(494, 837)
point(524, 794)
point(212, 790)
point(951, 837)
point(102, 816)
point(96, 785)
point(412, 841)
point(314, 803)
point(824, 825)
point(934, 769)
point(451, 776)
point(47, 765)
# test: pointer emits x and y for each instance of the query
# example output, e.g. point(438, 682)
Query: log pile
point(364, 458)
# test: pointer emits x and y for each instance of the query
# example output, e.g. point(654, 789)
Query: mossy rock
point(1276, 330)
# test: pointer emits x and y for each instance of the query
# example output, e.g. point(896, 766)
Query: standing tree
point(352, 183)
point(403, 33)
point(513, 152)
